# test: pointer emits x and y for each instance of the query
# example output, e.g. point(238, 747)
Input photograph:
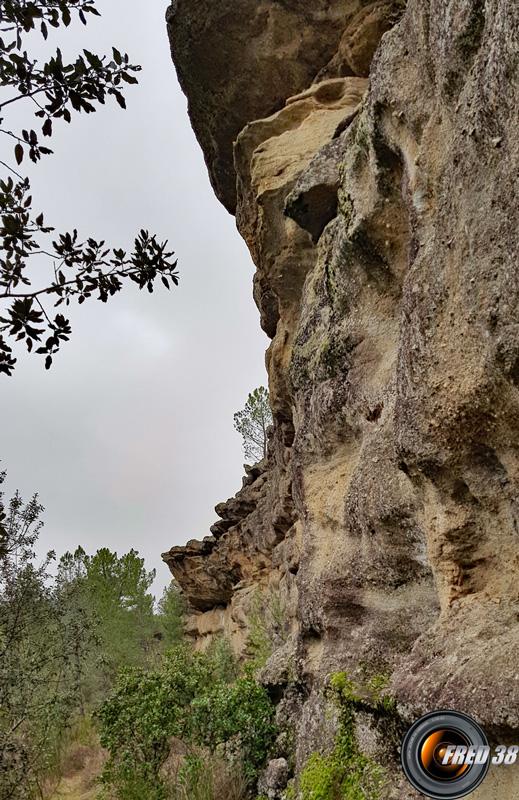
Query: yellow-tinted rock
point(383, 225)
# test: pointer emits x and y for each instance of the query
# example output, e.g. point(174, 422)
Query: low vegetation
point(101, 697)
point(268, 626)
point(191, 698)
point(345, 773)
point(88, 661)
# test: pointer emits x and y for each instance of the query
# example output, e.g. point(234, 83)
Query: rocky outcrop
point(382, 217)
point(238, 60)
point(251, 557)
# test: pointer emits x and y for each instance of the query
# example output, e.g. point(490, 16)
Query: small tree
point(171, 610)
point(253, 422)
point(81, 268)
point(42, 649)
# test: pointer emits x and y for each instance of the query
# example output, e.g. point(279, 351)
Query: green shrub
point(345, 773)
point(241, 714)
point(147, 708)
point(290, 791)
point(192, 697)
point(259, 641)
point(268, 626)
point(223, 660)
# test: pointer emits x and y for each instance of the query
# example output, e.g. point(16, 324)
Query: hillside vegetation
point(101, 697)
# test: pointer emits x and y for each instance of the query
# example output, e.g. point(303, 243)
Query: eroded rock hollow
point(370, 154)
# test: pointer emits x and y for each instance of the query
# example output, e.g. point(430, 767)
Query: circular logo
point(444, 755)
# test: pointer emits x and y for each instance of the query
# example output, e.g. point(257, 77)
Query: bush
point(268, 627)
point(42, 649)
point(345, 773)
point(240, 715)
point(147, 708)
point(189, 697)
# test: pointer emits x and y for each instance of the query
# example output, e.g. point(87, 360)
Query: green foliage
point(148, 707)
point(259, 640)
point(209, 777)
point(223, 660)
point(239, 713)
point(79, 269)
point(42, 649)
point(189, 697)
point(63, 640)
point(171, 609)
point(344, 773)
point(253, 422)
point(267, 627)
point(343, 689)
point(113, 593)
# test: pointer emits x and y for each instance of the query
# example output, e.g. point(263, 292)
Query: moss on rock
point(345, 773)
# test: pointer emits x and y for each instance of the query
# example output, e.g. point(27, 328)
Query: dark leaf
point(120, 98)
point(128, 78)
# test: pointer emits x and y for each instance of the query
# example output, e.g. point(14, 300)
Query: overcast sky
point(129, 438)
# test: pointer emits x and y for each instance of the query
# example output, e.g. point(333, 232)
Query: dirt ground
point(81, 770)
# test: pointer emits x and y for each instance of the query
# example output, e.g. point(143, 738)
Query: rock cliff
point(369, 152)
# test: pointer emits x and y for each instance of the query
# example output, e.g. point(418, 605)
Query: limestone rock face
point(447, 117)
point(238, 60)
point(383, 217)
point(270, 156)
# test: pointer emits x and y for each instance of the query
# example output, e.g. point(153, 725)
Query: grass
point(81, 767)
point(74, 789)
